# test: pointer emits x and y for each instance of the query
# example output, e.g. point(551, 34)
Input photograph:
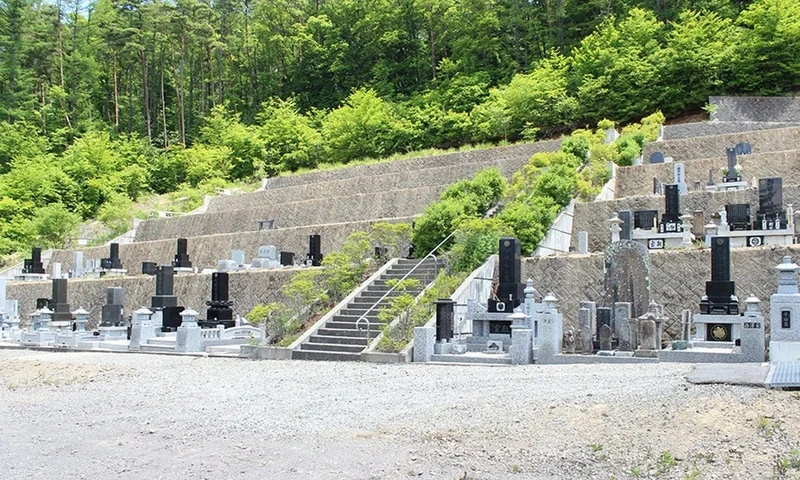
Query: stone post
point(521, 349)
point(711, 231)
point(141, 328)
point(45, 316)
point(583, 242)
point(550, 331)
point(424, 339)
point(585, 331)
point(753, 346)
point(187, 339)
point(723, 222)
point(622, 327)
point(686, 324)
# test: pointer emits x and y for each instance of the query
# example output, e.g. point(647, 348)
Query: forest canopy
point(102, 102)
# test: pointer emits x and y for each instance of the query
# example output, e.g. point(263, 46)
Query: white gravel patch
point(91, 415)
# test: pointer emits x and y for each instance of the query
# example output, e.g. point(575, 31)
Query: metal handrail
point(430, 254)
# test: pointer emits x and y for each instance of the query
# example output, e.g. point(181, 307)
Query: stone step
point(325, 356)
point(334, 324)
point(162, 341)
point(337, 340)
point(353, 319)
point(157, 348)
point(336, 332)
point(332, 347)
point(472, 359)
point(376, 294)
point(358, 312)
point(421, 276)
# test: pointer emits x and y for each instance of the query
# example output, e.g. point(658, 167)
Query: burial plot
point(626, 275)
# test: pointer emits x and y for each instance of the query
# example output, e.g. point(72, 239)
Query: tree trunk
point(116, 95)
point(163, 104)
point(146, 95)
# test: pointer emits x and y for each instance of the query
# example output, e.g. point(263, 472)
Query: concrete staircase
point(340, 338)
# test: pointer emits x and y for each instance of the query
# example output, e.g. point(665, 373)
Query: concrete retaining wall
point(247, 289)
point(638, 180)
point(592, 217)
point(677, 278)
point(756, 109)
point(353, 208)
point(206, 251)
point(705, 129)
point(523, 150)
point(403, 179)
point(776, 140)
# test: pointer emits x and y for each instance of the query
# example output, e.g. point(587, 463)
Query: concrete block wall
point(775, 140)
point(367, 184)
point(592, 217)
point(206, 251)
point(247, 289)
point(705, 129)
point(677, 278)
point(756, 109)
point(638, 180)
point(523, 150)
point(355, 207)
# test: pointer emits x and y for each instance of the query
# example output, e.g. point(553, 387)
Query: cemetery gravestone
point(645, 219)
point(738, 216)
point(181, 259)
point(510, 289)
point(743, 148)
point(58, 303)
point(287, 259)
point(34, 264)
point(219, 310)
point(657, 157)
point(605, 338)
point(112, 262)
point(314, 257)
point(627, 224)
point(626, 277)
point(679, 177)
point(770, 214)
point(731, 175)
point(585, 331)
point(670, 220)
point(603, 317)
point(112, 312)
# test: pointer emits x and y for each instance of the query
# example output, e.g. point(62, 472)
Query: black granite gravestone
point(42, 302)
point(627, 224)
point(112, 312)
point(743, 148)
point(287, 259)
point(604, 318)
point(58, 302)
point(34, 264)
point(112, 262)
point(314, 256)
point(720, 290)
point(644, 219)
point(510, 290)
point(670, 220)
point(149, 268)
point(219, 310)
point(738, 216)
point(731, 175)
point(444, 319)
point(770, 214)
point(182, 256)
point(164, 296)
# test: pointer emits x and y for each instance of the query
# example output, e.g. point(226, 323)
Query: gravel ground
point(100, 416)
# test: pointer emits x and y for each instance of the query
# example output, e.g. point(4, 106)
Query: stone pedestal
point(424, 338)
point(521, 349)
point(113, 333)
point(141, 329)
point(752, 343)
point(188, 337)
point(585, 331)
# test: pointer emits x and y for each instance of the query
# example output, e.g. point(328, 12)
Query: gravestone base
point(654, 240)
point(113, 333)
point(31, 277)
point(784, 351)
point(606, 353)
point(182, 270)
point(112, 272)
point(442, 348)
point(646, 353)
point(623, 354)
point(188, 339)
point(728, 186)
point(701, 322)
point(757, 238)
point(38, 338)
point(140, 334)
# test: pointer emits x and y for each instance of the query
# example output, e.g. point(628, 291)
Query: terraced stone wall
point(756, 109)
point(369, 184)
point(206, 251)
point(776, 140)
point(704, 129)
point(519, 151)
point(247, 289)
point(638, 180)
point(353, 208)
point(677, 278)
point(592, 217)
